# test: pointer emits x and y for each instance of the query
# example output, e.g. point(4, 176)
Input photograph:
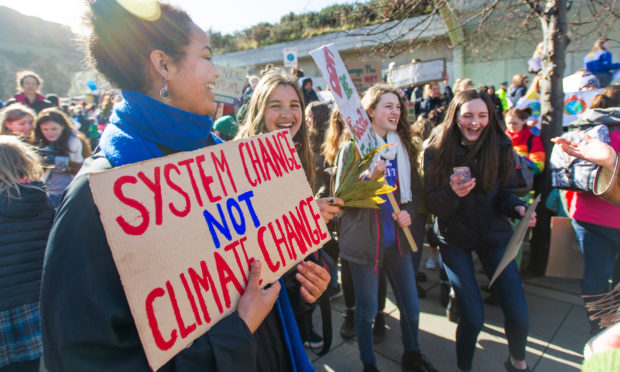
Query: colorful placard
point(184, 229)
point(575, 103)
point(290, 57)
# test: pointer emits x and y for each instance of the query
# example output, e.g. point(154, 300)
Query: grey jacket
point(361, 231)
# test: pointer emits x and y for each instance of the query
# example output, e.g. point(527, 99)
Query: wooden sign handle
point(406, 230)
point(392, 200)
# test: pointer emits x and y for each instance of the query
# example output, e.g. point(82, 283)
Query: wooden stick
point(406, 230)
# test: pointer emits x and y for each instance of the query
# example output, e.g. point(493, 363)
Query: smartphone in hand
point(465, 171)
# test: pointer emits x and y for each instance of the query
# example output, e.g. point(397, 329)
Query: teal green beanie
point(226, 125)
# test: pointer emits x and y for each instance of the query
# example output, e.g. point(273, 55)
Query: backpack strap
point(529, 143)
point(325, 307)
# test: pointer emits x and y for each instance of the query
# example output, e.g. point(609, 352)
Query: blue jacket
point(600, 63)
point(24, 226)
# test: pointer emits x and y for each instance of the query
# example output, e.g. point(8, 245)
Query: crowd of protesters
point(456, 169)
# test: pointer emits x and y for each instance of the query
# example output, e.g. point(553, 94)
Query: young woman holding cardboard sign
point(372, 240)
point(162, 62)
point(277, 104)
point(472, 216)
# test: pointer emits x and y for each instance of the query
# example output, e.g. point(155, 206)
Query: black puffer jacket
point(476, 221)
point(24, 226)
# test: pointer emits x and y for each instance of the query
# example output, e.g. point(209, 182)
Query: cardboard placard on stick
point(184, 229)
point(514, 244)
point(335, 73)
point(364, 74)
point(565, 257)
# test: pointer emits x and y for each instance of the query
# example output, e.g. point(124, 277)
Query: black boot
point(347, 330)
point(444, 287)
point(421, 291)
point(378, 330)
point(415, 361)
point(452, 310)
point(370, 368)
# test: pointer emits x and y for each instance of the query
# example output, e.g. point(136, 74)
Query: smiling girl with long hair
point(472, 205)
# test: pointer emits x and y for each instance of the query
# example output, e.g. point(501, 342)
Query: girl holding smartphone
point(472, 207)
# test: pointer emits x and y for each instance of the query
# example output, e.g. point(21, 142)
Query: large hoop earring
point(163, 93)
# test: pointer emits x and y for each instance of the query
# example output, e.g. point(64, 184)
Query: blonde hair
point(14, 112)
point(460, 84)
point(18, 161)
point(254, 122)
point(534, 85)
point(518, 79)
point(598, 45)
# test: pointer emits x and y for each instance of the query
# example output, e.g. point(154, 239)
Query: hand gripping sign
point(335, 73)
point(184, 229)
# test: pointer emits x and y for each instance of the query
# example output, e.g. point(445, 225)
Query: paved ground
point(559, 330)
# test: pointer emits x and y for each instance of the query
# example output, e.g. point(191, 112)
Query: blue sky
point(225, 16)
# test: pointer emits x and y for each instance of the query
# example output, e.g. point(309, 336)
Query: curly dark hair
point(121, 43)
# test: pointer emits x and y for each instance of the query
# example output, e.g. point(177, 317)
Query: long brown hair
point(61, 145)
point(403, 129)
point(320, 122)
point(254, 122)
point(335, 137)
point(494, 160)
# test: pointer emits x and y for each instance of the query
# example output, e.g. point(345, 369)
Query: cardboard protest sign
point(364, 74)
point(565, 257)
point(290, 57)
point(335, 72)
point(228, 87)
point(411, 116)
point(514, 244)
point(419, 73)
point(184, 229)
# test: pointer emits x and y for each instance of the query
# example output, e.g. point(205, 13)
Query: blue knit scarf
point(138, 126)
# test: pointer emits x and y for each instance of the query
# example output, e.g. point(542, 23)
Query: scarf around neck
point(402, 162)
point(139, 125)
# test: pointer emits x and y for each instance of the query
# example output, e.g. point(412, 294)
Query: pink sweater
point(586, 207)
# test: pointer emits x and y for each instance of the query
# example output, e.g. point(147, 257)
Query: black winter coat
point(477, 221)
point(37, 105)
point(24, 226)
point(85, 318)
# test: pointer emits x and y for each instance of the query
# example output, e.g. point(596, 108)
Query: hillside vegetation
point(331, 19)
point(31, 43)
